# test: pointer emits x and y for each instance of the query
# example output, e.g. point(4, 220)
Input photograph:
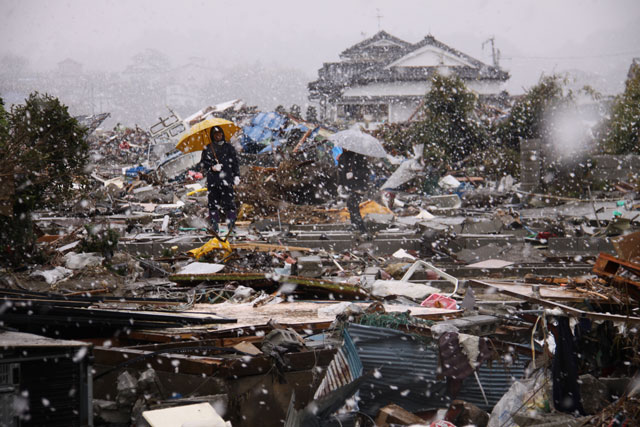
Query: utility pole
point(495, 53)
point(379, 18)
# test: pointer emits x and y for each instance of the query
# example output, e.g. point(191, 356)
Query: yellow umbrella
point(198, 136)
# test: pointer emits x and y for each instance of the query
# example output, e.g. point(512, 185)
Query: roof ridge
point(380, 35)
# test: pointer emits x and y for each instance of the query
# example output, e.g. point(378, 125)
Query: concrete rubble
point(478, 304)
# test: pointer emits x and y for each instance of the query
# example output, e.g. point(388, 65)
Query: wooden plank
point(266, 247)
point(216, 342)
point(222, 367)
point(185, 364)
point(226, 337)
point(307, 283)
point(565, 308)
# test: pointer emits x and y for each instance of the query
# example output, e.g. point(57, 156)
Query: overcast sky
point(534, 36)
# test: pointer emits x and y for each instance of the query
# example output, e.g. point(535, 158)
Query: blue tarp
point(270, 146)
point(335, 153)
point(263, 127)
point(133, 172)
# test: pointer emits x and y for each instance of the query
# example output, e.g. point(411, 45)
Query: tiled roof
point(368, 46)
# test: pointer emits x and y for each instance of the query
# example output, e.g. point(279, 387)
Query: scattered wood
point(394, 414)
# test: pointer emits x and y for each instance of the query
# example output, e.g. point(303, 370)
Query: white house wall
point(401, 111)
point(485, 87)
point(481, 87)
point(388, 89)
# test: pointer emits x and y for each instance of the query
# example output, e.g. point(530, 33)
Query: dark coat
point(358, 166)
point(226, 155)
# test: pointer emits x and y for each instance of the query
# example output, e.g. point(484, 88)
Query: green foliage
point(4, 123)
point(46, 148)
point(446, 125)
point(447, 128)
point(574, 181)
point(527, 118)
point(495, 162)
point(42, 148)
point(394, 137)
point(18, 241)
point(104, 241)
point(623, 130)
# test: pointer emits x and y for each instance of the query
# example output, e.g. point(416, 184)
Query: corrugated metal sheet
point(405, 370)
point(408, 367)
point(495, 381)
point(343, 369)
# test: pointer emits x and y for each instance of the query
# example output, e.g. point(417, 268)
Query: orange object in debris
point(368, 207)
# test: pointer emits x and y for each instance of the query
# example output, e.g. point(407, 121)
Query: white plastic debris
point(68, 247)
point(419, 291)
point(402, 254)
point(198, 415)
point(449, 182)
point(242, 293)
point(424, 215)
point(332, 310)
point(76, 261)
point(54, 275)
point(201, 268)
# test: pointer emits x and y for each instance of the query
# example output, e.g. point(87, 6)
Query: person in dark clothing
point(220, 162)
point(353, 175)
point(564, 370)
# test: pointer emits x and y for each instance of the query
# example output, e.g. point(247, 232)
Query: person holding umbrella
point(220, 162)
point(353, 175)
point(354, 169)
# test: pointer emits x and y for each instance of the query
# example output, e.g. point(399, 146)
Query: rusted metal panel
point(619, 272)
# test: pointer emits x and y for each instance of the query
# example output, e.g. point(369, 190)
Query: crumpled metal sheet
point(408, 369)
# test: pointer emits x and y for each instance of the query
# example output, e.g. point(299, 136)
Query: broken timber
point(218, 365)
point(565, 308)
point(612, 268)
point(266, 280)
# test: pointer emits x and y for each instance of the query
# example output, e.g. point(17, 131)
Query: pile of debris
point(476, 304)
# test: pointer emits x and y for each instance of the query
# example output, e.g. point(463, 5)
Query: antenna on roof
point(379, 18)
point(495, 53)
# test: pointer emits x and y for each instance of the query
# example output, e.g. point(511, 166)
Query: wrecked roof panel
point(411, 363)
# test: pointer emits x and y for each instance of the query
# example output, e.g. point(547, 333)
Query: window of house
point(368, 112)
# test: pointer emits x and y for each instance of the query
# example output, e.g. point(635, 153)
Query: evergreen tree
point(447, 126)
point(527, 118)
point(43, 149)
point(623, 130)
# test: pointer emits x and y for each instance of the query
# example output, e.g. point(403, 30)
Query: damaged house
point(383, 78)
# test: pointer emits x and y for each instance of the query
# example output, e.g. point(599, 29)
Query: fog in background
point(137, 57)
